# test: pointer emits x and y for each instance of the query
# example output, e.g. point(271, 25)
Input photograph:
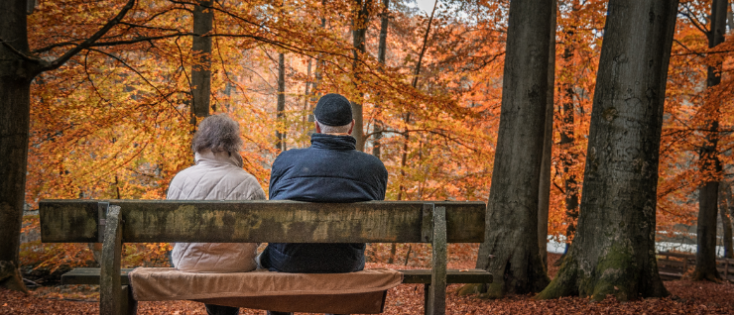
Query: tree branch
point(18, 52)
point(46, 66)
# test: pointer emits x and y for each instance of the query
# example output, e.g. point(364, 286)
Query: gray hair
point(218, 133)
point(334, 129)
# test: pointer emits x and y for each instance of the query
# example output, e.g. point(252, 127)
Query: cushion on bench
point(357, 292)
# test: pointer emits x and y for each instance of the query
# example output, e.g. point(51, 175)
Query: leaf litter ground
point(687, 297)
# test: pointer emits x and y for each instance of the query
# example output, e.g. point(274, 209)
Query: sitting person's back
point(331, 170)
point(217, 175)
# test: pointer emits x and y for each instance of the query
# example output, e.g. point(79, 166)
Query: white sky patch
point(426, 6)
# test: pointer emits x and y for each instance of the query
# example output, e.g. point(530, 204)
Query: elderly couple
point(331, 170)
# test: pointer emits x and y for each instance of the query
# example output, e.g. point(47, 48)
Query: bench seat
point(91, 276)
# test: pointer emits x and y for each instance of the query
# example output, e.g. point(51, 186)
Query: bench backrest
point(71, 221)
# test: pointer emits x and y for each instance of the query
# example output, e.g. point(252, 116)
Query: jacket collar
point(219, 158)
point(331, 142)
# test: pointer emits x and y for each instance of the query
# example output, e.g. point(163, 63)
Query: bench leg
point(436, 292)
point(110, 288)
point(426, 289)
point(128, 305)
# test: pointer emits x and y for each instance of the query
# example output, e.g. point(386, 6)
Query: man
point(331, 170)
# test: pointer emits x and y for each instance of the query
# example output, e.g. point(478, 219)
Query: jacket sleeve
point(275, 173)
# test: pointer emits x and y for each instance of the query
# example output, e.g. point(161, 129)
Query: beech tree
point(709, 163)
point(360, 22)
point(280, 134)
point(510, 249)
point(613, 251)
point(381, 52)
point(545, 168)
point(201, 72)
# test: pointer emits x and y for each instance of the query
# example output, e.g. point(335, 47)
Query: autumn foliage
point(114, 122)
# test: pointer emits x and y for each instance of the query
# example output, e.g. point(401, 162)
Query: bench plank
point(91, 276)
point(69, 221)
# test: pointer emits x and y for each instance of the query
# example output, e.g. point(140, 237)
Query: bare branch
point(89, 41)
point(18, 52)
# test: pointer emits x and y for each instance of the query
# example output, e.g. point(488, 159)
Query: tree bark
point(709, 163)
point(306, 97)
point(510, 249)
point(15, 81)
point(381, 52)
point(568, 137)
point(318, 69)
point(201, 74)
point(359, 33)
point(725, 220)
point(280, 132)
point(545, 166)
point(613, 251)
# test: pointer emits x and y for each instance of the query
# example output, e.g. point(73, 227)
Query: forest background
point(115, 121)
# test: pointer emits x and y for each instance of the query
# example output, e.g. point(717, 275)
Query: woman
point(216, 175)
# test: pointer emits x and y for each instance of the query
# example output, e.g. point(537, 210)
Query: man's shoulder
point(290, 156)
point(369, 159)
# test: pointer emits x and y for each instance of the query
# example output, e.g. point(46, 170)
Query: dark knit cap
point(333, 110)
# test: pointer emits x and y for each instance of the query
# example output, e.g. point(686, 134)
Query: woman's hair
point(218, 133)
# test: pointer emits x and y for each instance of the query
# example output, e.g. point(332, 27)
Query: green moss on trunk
point(564, 284)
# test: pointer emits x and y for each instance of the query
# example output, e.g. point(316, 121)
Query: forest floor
point(687, 297)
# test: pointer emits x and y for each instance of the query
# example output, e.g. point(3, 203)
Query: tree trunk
point(725, 220)
point(568, 137)
point(15, 82)
point(201, 74)
point(318, 68)
point(280, 130)
point(306, 94)
point(359, 33)
point(381, 52)
point(709, 163)
point(510, 249)
point(613, 251)
point(545, 166)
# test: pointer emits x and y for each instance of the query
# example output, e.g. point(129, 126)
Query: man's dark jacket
point(331, 170)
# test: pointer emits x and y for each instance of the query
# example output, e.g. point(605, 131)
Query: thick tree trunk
point(613, 251)
point(710, 166)
point(359, 34)
point(725, 220)
point(381, 52)
point(201, 74)
point(545, 166)
point(15, 82)
point(510, 249)
point(280, 132)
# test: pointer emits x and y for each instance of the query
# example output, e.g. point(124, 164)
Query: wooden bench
point(146, 221)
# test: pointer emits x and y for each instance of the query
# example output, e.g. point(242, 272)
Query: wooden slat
point(91, 276)
point(260, 221)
